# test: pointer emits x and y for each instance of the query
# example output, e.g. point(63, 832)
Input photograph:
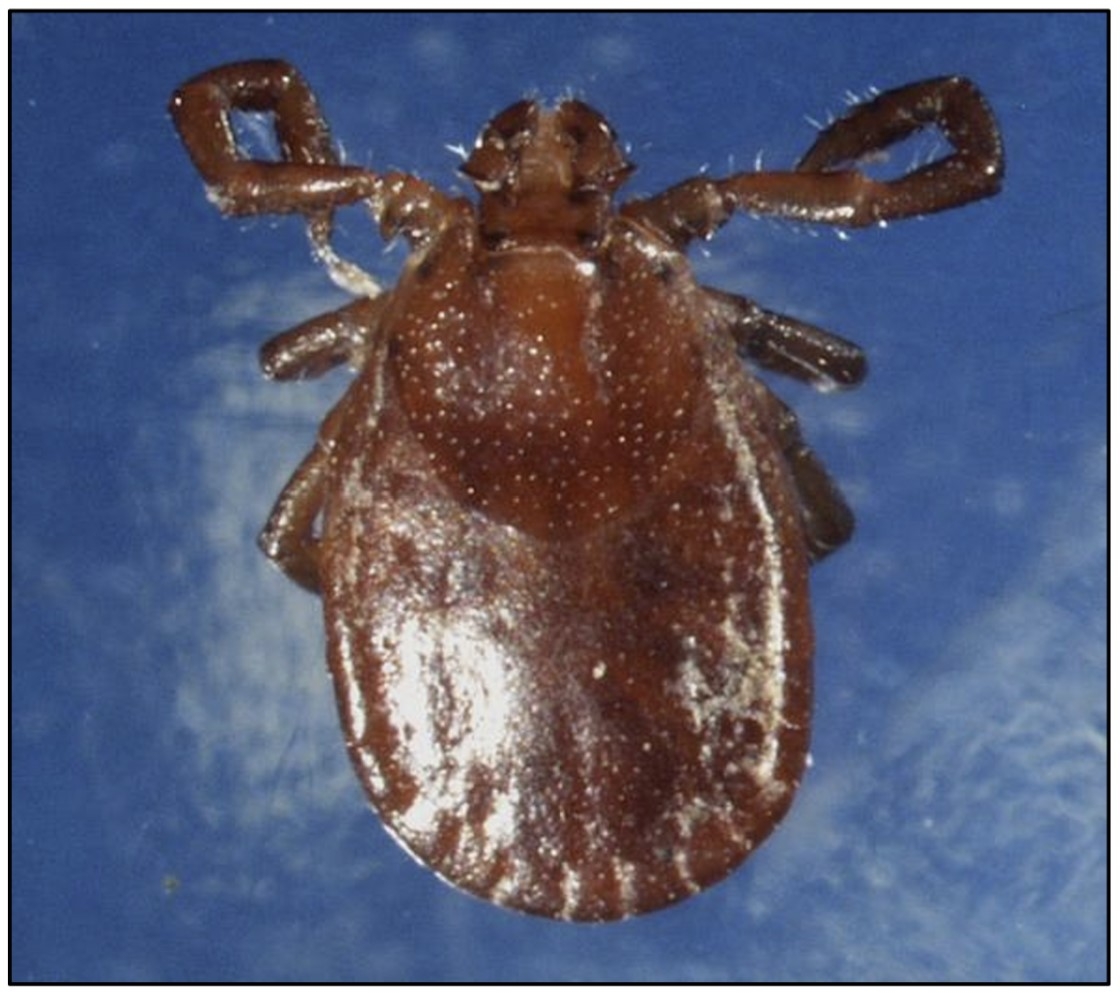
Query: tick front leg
point(309, 179)
point(826, 189)
point(786, 345)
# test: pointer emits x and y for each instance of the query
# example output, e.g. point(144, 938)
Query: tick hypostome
point(562, 536)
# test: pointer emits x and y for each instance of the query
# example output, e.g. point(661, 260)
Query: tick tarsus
point(952, 103)
point(826, 518)
point(547, 384)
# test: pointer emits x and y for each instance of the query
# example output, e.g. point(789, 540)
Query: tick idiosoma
point(561, 534)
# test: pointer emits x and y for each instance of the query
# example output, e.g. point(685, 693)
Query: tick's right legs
point(786, 345)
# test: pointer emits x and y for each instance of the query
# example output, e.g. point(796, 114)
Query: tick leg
point(826, 189)
point(954, 104)
point(289, 537)
point(786, 345)
point(825, 515)
point(311, 349)
point(309, 178)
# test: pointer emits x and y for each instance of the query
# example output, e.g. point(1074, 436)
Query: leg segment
point(311, 349)
point(824, 190)
point(309, 179)
point(827, 519)
point(290, 537)
point(786, 345)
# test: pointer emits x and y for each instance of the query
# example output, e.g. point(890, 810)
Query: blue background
point(182, 807)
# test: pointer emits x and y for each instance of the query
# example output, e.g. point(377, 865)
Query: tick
point(562, 536)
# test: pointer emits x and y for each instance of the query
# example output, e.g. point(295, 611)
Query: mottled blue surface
point(182, 806)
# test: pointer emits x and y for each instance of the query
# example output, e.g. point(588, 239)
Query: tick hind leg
point(289, 537)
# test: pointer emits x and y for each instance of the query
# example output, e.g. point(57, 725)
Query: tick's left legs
point(827, 188)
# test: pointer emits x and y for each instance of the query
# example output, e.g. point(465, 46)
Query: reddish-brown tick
point(562, 536)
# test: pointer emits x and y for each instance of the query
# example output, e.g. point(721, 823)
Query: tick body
point(561, 534)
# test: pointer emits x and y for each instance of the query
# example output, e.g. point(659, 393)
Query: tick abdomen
point(583, 726)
